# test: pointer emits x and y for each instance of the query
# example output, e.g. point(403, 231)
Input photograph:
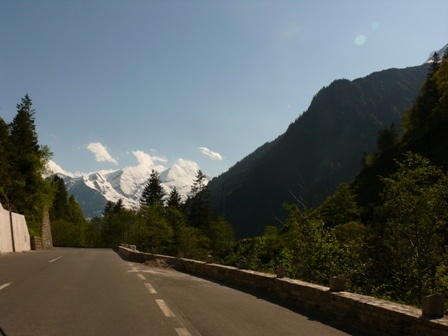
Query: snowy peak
point(439, 52)
point(93, 190)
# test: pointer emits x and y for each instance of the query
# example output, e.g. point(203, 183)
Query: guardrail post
point(280, 272)
point(242, 264)
point(337, 284)
point(209, 259)
point(433, 306)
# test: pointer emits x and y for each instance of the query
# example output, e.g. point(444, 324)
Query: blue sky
point(114, 82)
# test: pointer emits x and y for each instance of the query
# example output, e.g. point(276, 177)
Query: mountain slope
point(321, 149)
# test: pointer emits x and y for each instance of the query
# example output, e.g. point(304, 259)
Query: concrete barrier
point(17, 240)
point(372, 316)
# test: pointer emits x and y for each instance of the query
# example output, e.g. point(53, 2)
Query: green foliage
point(174, 199)
point(340, 208)
point(159, 232)
point(352, 260)
point(116, 225)
point(312, 245)
point(387, 138)
point(153, 191)
point(414, 215)
point(68, 225)
point(430, 106)
point(198, 205)
point(23, 189)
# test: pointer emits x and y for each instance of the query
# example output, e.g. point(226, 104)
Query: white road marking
point(5, 285)
point(150, 288)
point(141, 276)
point(182, 332)
point(53, 260)
point(74, 252)
point(164, 308)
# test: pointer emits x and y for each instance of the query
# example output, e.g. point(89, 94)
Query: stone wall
point(373, 316)
point(20, 230)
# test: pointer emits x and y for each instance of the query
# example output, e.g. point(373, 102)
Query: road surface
point(80, 292)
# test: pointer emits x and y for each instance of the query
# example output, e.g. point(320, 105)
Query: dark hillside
point(321, 149)
point(427, 137)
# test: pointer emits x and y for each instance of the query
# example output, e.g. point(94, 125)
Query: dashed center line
point(5, 285)
point(150, 288)
point(182, 332)
point(141, 276)
point(164, 308)
point(53, 260)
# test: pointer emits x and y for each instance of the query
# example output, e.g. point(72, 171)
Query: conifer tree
point(4, 167)
point(434, 65)
point(59, 210)
point(29, 194)
point(198, 205)
point(153, 191)
point(174, 199)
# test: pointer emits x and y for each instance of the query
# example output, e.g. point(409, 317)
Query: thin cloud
point(212, 155)
point(148, 161)
point(101, 153)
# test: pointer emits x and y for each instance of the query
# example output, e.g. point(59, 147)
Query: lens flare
point(360, 40)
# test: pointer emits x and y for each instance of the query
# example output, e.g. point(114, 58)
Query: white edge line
point(55, 259)
point(5, 285)
point(141, 276)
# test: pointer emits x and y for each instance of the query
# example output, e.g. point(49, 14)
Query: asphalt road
point(80, 292)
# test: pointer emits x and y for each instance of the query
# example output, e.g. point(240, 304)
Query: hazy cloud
point(212, 155)
point(148, 161)
point(101, 153)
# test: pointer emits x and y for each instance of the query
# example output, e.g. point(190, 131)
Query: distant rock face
point(321, 149)
point(93, 190)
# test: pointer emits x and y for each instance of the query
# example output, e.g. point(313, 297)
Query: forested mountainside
point(319, 150)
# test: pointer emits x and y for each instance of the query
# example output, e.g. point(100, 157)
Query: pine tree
point(199, 184)
point(23, 129)
point(434, 65)
point(153, 191)
point(5, 181)
point(30, 193)
point(59, 210)
point(198, 205)
point(174, 199)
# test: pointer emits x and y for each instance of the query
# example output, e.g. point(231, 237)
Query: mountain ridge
point(320, 149)
point(93, 190)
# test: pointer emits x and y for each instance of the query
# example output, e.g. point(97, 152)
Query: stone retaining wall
point(374, 316)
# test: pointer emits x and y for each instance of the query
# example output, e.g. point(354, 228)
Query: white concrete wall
point(21, 234)
point(5, 231)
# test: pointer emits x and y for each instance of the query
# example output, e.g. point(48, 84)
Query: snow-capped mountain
point(439, 52)
point(93, 190)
